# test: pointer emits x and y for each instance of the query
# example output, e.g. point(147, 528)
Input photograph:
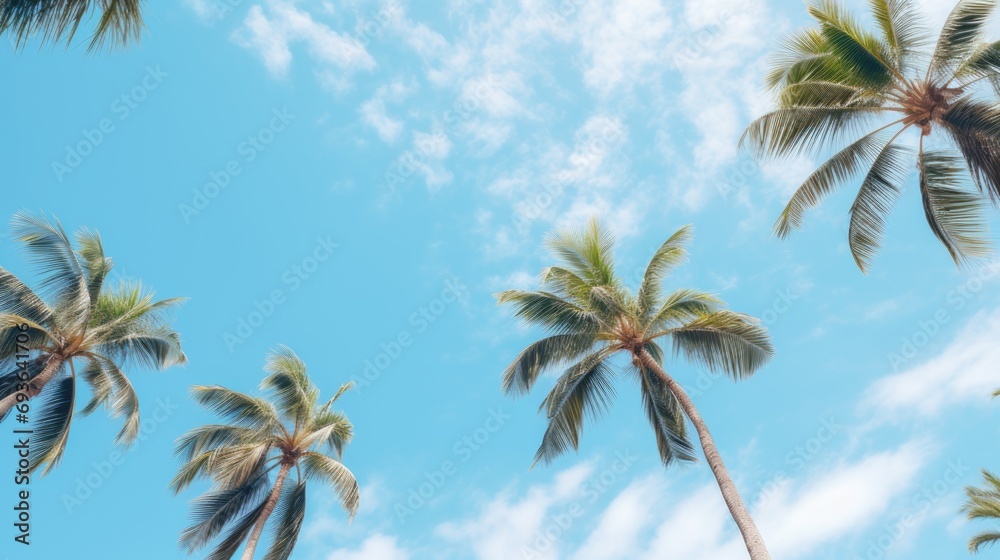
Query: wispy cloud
point(964, 371)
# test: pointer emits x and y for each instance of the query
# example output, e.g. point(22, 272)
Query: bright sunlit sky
point(422, 153)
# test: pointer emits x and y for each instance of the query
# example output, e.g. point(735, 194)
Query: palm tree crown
point(120, 23)
point(86, 324)
point(984, 503)
point(592, 316)
point(839, 81)
point(293, 430)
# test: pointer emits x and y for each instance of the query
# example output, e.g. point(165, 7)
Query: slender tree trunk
point(751, 536)
point(35, 386)
point(272, 500)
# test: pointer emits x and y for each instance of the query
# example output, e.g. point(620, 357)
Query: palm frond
point(953, 212)
point(585, 389)
point(983, 503)
point(550, 311)
point(588, 253)
point(862, 53)
point(288, 381)
point(332, 472)
point(95, 264)
point(121, 24)
point(520, 376)
point(214, 510)
point(962, 34)
point(803, 57)
point(983, 63)
point(331, 429)
point(58, 20)
point(668, 256)
point(840, 168)
point(52, 420)
point(879, 192)
point(290, 511)
point(680, 307)
point(52, 252)
point(903, 29)
point(975, 128)
point(802, 130)
point(665, 416)
point(241, 409)
point(18, 299)
point(238, 532)
point(724, 341)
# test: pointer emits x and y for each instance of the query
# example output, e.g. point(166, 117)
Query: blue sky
point(378, 171)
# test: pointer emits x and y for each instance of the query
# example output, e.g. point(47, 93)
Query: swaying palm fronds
point(120, 23)
point(841, 82)
point(292, 430)
point(592, 317)
point(76, 326)
point(984, 503)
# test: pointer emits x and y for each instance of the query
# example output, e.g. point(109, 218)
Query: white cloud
point(717, 51)
point(964, 371)
point(374, 113)
point(270, 32)
point(797, 517)
point(623, 42)
point(375, 547)
point(509, 525)
point(843, 500)
point(619, 527)
point(651, 519)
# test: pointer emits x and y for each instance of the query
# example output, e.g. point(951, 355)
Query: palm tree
point(983, 503)
point(120, 23)
point(592, 316)
point(839, 80)
point(86, 324)
point(260, 437)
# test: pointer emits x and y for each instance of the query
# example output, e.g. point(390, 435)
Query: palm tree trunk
point(751, 535)
point(272, 500)
point(36, 385)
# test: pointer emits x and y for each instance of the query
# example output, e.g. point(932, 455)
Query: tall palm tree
point(87, 325)
point(294, 431)
point(839, 81)
point(983, 503)
point(120, 23)
point(592, 316)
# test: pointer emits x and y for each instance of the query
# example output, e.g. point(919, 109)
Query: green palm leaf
point(962, 33)
point(585, 389)
point(953, 213)
point(879, 192)
point(291, 511)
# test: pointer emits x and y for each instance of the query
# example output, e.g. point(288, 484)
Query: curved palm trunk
point(36, 385)
point(272, 500)
point(751, 536)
